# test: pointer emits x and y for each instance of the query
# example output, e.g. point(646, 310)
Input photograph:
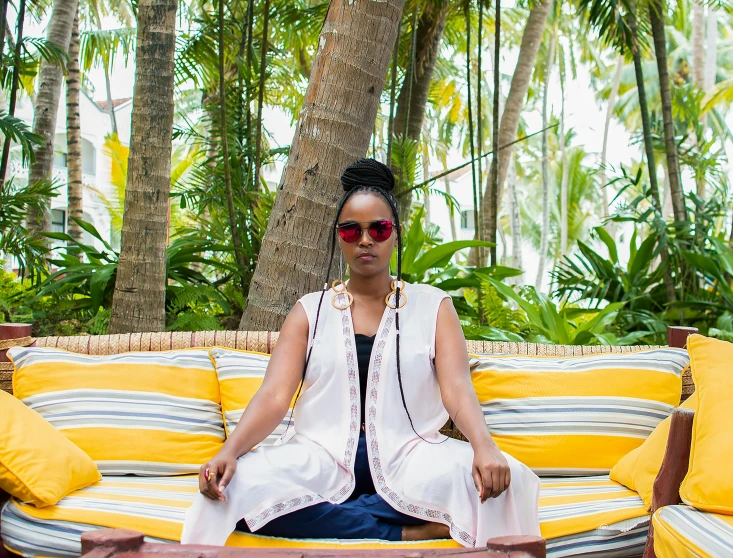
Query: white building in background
point(96, 164)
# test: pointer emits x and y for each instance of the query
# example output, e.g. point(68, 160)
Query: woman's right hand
point(215, 475)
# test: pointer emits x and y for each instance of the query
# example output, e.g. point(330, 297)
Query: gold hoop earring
point(403, 294)
point(340, 288)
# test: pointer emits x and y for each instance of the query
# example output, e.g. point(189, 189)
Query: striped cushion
point(145, 413)
point(579, 517)
point(576, 415)
point(240, 375)
point(681, 531)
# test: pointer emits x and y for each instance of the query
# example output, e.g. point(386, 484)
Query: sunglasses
point(378, 230)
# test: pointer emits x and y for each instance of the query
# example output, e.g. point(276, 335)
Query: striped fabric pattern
point(576, 415)
point(240, 375)
point(138, 413)
point(681, 531)
point(578, 516)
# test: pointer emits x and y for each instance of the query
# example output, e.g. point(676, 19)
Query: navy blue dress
point(365, 515)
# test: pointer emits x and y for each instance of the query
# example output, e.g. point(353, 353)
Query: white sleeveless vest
point(315, 463)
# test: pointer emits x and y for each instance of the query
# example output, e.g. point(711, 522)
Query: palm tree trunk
point(545, 236)
point(446, 181)
point(615, 86)
point(331, 133)
point(73, 138)
point(46, 106)
point(657, 10)
point(493, 185)
point(531, 39)
point(649, 147)
point(565, 171)
point(515, 220)
point(13, 91)
point(138, 303)
point(224, 138)
point(711, 59)
point(261, 93)
point(698, 44)
point(645, 122)
point(411, 104)
point(107, 84)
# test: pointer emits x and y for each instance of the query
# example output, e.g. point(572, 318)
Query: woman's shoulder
point(423, 289)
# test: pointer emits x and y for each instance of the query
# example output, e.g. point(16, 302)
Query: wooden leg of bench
point(673, 470)
point(518, 547)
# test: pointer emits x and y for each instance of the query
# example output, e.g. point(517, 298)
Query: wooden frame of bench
point(104, 543)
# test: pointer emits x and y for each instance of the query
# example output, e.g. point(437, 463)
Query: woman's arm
point(268, 406)
point(490, 468)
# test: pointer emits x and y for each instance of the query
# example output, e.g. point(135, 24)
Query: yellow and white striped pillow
point(140, 413)
point(240, 375)
point(576, 415)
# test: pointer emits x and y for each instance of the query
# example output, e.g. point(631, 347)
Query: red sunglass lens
point(380, 230)
point(350, 233)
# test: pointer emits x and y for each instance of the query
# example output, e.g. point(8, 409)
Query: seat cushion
point(578, 516)
point(141, 413)
point(682, 531)
point(576, 415)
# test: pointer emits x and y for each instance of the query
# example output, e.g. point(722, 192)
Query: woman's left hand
point(491, 473)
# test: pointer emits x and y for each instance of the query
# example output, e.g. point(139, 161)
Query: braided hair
point(367, 176)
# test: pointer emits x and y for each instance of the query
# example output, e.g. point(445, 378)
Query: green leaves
point(567, 326)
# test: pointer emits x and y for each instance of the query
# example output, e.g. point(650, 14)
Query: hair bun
point(367, 172)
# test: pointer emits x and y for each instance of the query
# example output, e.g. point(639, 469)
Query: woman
point(365, 459)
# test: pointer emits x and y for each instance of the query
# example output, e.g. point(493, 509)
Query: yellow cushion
point(592, 513)
point(240, 375)
point(682, 531)
point(639, 468)
point(142, 413)
point(709, 483)
point(576, 415)
point(37, 463)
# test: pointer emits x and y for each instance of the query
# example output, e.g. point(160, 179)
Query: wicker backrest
point(265, 341)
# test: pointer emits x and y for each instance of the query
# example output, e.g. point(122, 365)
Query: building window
point(467, 221)
point(59, 160)
point(58, 220)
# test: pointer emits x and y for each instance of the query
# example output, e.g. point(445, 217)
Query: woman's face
point(366, 256)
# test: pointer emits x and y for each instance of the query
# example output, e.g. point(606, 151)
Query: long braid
point(367, 176)
point(320, 302)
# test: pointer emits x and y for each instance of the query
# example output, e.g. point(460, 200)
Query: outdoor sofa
point(581, 515)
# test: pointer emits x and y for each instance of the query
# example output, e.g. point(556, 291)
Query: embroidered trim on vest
point(350, 444)
point(423, 512)
point(277, 508)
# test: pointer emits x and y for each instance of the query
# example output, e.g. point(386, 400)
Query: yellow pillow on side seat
point(639, 468)
point(38, 464)
point(708, 485)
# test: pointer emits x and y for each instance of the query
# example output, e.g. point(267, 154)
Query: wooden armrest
point(673, 470)
point(119, 543)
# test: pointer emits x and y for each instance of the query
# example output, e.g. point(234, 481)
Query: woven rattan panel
point(264, 342)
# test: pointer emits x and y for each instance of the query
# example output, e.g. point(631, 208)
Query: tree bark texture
point(139, 299)
point(657, 9)
point(46, 107)
point(531, 39)
point(711, 39)
point(545, 233)
point(645, 122)
point(412, 102)
point(74, 196)
point(13, 89)
point(565, 171)
point(515, 221)
point(615, 86)
point(698, 43)
point(333, 130)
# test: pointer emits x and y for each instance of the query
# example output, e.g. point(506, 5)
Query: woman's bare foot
point(426, 532)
